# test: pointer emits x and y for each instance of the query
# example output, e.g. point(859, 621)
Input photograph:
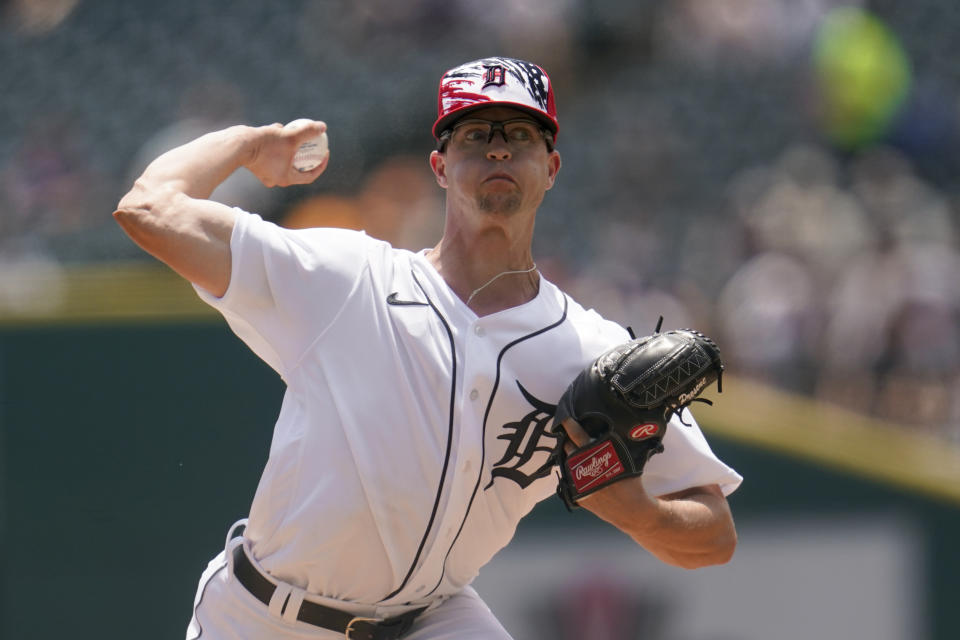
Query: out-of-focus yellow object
point(108, 293)
point(762, 416)
point(863, 75)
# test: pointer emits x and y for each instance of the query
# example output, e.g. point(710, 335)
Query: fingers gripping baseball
point(292, 154)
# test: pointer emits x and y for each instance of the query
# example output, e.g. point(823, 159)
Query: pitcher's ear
point(553, 168)
point(439, 166)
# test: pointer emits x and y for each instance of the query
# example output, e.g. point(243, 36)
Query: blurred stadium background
point(781, 174)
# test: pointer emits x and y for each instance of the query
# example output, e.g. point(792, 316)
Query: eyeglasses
point(518, 133)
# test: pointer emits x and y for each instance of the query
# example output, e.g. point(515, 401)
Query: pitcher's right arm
point(168, 212)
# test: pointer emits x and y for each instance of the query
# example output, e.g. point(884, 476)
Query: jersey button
point(479, 331)
point(474, 394)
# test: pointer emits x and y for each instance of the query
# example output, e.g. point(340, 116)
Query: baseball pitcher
point(432, 397)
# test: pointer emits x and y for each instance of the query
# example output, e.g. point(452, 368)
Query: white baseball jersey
point(413, 434)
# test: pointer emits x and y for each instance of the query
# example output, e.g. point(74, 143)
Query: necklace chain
point(491, 280)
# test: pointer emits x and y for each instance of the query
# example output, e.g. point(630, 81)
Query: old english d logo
point(527, 438)
point(494, 75)
point(644, 431)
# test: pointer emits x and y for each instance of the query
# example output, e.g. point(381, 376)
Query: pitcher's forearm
point(200, 166)
point(691, 532)
point(690, 529)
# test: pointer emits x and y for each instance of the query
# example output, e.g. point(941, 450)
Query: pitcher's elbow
point(726, 554)
point(139, 198)
point(725, 548)
point(141, 213)
point(720, 553)
point(133, 217)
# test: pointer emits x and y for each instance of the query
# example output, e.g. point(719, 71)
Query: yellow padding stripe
point(826, 434)
point(98, 293)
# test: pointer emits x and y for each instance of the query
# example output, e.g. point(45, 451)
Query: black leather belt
point(351, 626)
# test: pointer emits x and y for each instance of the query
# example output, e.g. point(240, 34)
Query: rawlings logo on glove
point(624, 400)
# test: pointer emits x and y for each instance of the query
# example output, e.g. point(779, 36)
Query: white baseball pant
point(224, 610)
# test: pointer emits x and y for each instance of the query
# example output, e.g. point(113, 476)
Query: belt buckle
point(348, 632)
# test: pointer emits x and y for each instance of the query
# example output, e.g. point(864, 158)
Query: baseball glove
point(624, 400)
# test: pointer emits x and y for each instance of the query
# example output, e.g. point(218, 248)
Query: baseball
point(312, 152)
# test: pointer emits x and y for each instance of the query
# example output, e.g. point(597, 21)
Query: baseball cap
point(492, 82)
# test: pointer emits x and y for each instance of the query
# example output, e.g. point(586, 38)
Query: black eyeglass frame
point(495, 125)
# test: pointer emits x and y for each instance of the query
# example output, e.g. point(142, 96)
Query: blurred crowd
point(781, 174)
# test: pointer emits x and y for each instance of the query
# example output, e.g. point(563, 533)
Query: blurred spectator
point(924, 350)
point(769, 316)
point(751, 32)
point(860, 309)
point(803, 212)
point(906, 209)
